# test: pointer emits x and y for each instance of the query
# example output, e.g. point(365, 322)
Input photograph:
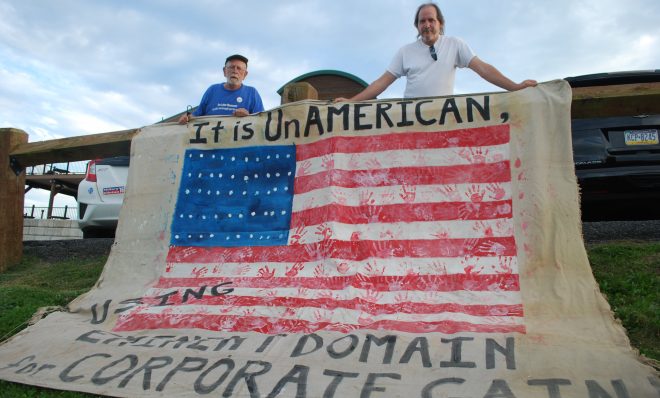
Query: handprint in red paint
point(439, 268)
point(441, 234)
point(365, 319)
point(199, 272)
point(297, 235)
point(295, 268)
point(265, 272)
point(373, 163)
point(304, 167)
point(366, 198)
point(475, 193)
point(408, 193)
point(289, 313)
point(474, 155)
point(339, 197)
point(328, 162)
point(321, 316)
point(484, 228)
point(320, 271)
point(242, 269)
point(451, 192)
point(343, 268)
point(372, 269)
point(371, 296)
point(496, 191)
point(492, 248)
point(324, 231)
point(505, 264)
point(467, 210)
point(325, 294)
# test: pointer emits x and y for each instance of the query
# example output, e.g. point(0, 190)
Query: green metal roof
point(325, 72)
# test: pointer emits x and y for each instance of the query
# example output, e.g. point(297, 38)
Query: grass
point(628, 274)
point(35, 283)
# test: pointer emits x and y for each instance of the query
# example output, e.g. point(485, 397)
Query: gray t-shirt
point(426, 77)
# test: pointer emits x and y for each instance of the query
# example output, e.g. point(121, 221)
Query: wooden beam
point(72, 149)
point(616, 100)
point(69, 182)
point(11, 200)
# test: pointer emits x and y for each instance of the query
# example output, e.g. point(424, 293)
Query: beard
point(429, 34)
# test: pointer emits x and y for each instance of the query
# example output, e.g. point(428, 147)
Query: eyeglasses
point(235, 67)
point(433, 54)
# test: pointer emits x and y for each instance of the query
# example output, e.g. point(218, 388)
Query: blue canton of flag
point(235, 197)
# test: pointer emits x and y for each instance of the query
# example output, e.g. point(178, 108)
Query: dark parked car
point(617, 158)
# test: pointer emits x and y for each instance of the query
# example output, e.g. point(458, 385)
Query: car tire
point(91, 233)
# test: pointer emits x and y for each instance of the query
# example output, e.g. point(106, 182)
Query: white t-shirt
point(426, 77)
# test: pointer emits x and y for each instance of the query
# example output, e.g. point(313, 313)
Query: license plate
point(641, 137)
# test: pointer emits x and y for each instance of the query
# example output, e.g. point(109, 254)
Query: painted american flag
point(409, 232)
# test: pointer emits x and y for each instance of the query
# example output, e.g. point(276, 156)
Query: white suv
point(100, 196)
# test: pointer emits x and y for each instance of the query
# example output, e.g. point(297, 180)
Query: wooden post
point(12, 188)
point(298, 91)
point(51, 199)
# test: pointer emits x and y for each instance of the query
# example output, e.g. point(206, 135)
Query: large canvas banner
point(422, 248)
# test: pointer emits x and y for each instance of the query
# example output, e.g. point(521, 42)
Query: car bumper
point(620, 183)
point(621, 193)
point(100, 216)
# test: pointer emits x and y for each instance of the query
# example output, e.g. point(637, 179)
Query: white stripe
point(403, 158)
point(400, 194)
point(460, 297)
point(460, 229)
point(338, 267)
point(339, 315)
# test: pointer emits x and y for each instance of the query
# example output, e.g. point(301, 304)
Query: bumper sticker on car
point(113, 190)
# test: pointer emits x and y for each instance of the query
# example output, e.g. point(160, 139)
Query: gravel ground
point(56, 250)
point(604, 231)
point(594, 232)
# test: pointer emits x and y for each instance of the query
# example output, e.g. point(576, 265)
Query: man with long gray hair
point(430, 63)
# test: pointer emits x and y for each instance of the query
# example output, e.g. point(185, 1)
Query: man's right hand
point(185, 118)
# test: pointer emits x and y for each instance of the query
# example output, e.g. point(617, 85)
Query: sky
point(77, 67)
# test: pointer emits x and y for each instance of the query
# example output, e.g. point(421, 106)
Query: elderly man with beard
point(430, 63)
point(230, 98)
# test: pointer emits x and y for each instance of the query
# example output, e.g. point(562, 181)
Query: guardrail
point(59, 168)
point(41, 213)
point(16, 153)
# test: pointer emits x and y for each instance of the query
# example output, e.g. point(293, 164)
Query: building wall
point(330, 86)
point(53, 229)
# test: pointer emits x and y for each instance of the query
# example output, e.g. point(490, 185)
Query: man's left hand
point(526, 83)
point(241, 112)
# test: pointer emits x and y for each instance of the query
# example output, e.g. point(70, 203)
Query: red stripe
point(346, 250)
point(433, 283)
point(405, 212)
point(359, 304)
point(480, 136)
point(428, 175)
point(270, 325)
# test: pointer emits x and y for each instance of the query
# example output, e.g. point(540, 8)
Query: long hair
point(439, 16)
